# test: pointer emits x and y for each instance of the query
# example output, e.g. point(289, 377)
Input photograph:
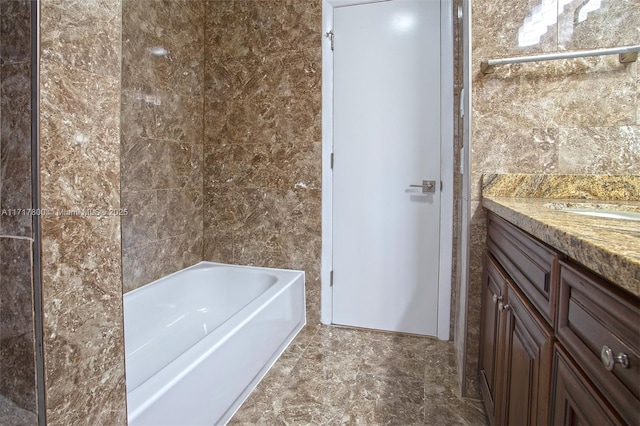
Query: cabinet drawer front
point(528, 262)
point(574, 401)
point(591, 315)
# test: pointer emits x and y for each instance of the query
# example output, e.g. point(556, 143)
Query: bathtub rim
point(201, 264)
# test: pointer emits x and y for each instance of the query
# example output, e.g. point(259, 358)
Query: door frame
point(446, 166)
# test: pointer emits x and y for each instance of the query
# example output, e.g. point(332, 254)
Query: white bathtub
point(198, 341)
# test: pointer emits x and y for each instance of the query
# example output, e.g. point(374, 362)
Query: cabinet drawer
point(593, 314)
point(529, 263)
point(574, 401)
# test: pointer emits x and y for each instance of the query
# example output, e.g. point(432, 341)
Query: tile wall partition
point(262, 160)
point(569, 116)
point(161, 137)
point(80, 169)
point(17, 347)
point(457, 177)
point(15, 115)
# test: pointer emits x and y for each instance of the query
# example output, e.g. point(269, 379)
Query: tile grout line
point(17, 237)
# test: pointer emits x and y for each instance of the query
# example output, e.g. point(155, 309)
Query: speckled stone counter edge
point(610, 248)
point(590, 187)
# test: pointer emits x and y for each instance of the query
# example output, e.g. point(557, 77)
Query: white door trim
point(447, 163)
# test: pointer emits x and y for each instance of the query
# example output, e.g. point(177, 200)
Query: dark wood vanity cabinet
point(558, 344)
point(515, 354)
point(516, 339)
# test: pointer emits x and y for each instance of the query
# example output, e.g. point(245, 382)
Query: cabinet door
point(574, 401)
point(493, 284)
point(527, 362)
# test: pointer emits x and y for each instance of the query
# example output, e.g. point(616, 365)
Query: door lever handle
point(427, 186)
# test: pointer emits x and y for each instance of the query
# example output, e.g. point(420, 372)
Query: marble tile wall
point(17, 355)
point(457, 178)
point(263, 143)
point(458, 288)
point(17, 345)
point(162, 137)
point(578, 116)
point(15, 115)
point(80, 169)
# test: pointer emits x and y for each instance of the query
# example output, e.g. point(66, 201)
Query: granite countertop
point(609, 247)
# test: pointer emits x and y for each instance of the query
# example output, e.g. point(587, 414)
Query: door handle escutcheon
point(427, 186)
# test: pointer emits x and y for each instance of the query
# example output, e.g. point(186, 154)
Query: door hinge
point(329, 34)
point(331, 279)
point(440, 186)
point(332, 161)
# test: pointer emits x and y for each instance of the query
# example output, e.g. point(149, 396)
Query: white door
point(386, 138)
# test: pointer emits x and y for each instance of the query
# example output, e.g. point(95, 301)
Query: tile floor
point(340, 376)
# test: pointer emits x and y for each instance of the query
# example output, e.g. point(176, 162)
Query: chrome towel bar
point(627, 54)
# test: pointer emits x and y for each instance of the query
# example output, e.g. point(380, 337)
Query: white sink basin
point(605, 213)
point(604, 210)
